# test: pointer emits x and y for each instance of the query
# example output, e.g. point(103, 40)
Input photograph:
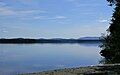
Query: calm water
point(24, 58)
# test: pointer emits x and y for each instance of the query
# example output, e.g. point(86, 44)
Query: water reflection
point(24, 58)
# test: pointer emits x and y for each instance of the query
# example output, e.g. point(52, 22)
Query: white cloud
point(57, 18)
point(31, 11)
point(80, 3)
point(5, 31)
point(86, 5)
point(40, 17)
point(103, 21)
point(10, 11)
point(50, 18)
point(60, 17)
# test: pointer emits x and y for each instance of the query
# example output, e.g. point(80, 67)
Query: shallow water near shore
point(28, 58)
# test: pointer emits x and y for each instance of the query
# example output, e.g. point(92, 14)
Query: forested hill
point(54, 40)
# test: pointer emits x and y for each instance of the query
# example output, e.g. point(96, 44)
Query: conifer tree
point(111, 45)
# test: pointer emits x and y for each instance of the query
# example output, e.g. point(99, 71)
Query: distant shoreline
point(25, 40)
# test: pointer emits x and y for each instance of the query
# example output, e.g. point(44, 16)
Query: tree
point(111, 45)
point(112, 2)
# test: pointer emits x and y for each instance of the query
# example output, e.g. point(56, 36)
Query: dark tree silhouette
point(111, 45)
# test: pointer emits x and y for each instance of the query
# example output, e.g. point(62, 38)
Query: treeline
point(18, 40)
point(24, 40)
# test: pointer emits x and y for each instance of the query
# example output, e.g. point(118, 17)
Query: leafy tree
point(111, 45)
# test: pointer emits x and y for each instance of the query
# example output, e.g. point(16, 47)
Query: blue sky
point(53, 18)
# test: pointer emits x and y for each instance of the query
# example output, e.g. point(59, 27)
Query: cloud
point(103, 21)
point(3, 29)
point(27, 2)
point(86, 5)
point(50, 18)
point(31, 11)
point(60, 17)
point(40, 17)
point(86, 30)
point(10, 11)
point(6, 11)
point(80, 3)
point(2, 4)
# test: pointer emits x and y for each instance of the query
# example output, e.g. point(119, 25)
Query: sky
point(54, 18)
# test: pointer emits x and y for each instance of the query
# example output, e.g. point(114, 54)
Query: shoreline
point(106, 69)
point(42, 41)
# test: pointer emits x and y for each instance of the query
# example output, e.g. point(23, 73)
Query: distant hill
point(54, 40)
point(90, 38)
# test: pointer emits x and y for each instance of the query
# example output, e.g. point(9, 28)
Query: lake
point(25, 58)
